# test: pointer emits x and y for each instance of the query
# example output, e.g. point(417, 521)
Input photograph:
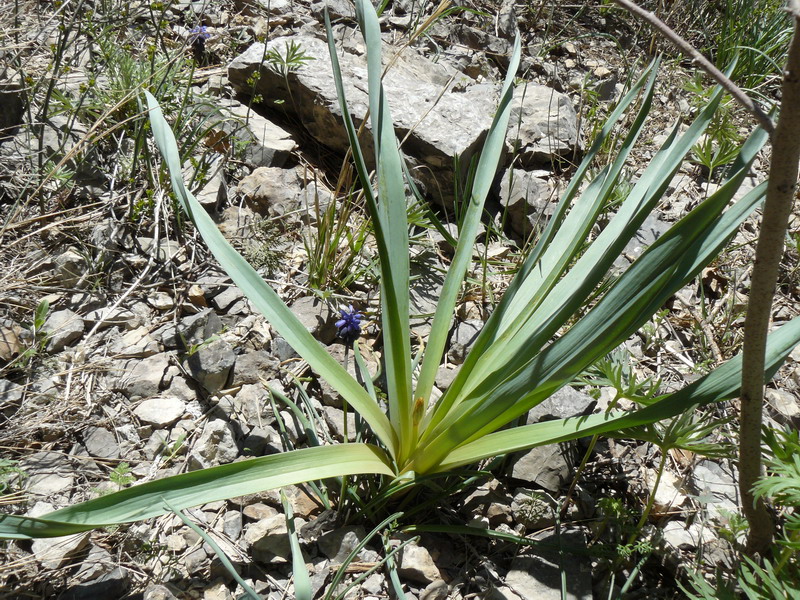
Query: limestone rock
point(101, 442)
point(527, 199)
point(144, 377)
point(160, 412)
point(211, 365)
point(543, 125)
point(442, 128)
point(48, 473)
point(416, 564)
point(63, 328)
point(566, 402)
point(551, 466)
point(339, 543)
point(252, 367)
point(53, 553)
point(269, 539)
point(317, 317)
point(215, 446)
point(538, 576)
point(268, 145)
point(464, 336)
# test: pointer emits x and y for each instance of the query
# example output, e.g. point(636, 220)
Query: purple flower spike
point(349, 326)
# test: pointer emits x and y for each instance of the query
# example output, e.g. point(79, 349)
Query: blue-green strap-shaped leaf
point(659, 272)
point(200, 487)
point(391, 212)
point(531, 286)
point(493, 149)
point(261, 294)
point(721, 384)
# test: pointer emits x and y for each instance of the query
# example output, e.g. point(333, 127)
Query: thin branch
point(781, 188)
point(734, 90)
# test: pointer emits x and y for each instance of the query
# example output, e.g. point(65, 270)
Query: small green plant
point(293, 58)
point(11, 476)
point(121, 475)
point(539, 338)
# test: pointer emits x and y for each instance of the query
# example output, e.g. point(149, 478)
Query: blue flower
point(349, 326)
point(198, 35)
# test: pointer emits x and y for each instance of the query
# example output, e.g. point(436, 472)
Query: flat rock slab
point(445, 113)
point(160, 412)
point(538, 576)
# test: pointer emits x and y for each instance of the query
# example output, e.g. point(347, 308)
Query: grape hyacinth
point(349, 326)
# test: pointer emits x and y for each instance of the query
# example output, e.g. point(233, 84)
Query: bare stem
point(734, 90)
point(781, 187)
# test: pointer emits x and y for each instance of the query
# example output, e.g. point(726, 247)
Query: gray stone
point(272, 191)
point(110, 583)
point(159, 592)
point(195, 560)
point(267, 144)
point(437, 590)
point(101, 442)
point(338, 9)
point(282, 350)
point(538, 577)
point(551, 466)
point(651, 229)
point(543, 125)
point(334, 418)
point(464, 336)
point(136, 343)
point(112, 317)
point(211, 365)
point(53, 553)
point(447, 119)
point(71, 269)
point(339, 543)
point(269, 539)
point(215, 446)
point(527, 199)
point(63, 328)
point(146, 377)
point(253, 367)
point(682, 537)
point(217, 591)
point(564, 403)
point(10, 396)
point(416, 564)
point(317, 317)
point(48, 473)
point(717, 487)
point(670, 493)
point(227, 298)
point(191, 330)
point(232, 524)
point(160, 412)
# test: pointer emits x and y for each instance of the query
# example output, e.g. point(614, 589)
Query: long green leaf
point(659, 272)
point(721, 384)
point(261, 294)
point(484, 176)
point(200, 487)
point(531, 286)
point(395, 262)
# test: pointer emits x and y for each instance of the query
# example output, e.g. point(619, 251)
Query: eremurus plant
point(538, 339)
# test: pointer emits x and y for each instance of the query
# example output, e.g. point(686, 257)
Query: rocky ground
point(143, 359)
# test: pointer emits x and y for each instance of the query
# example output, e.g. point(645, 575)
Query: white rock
point(215, 446)
point(160, 412)
point(670, 493)
point(416, 564)
point(52, 553)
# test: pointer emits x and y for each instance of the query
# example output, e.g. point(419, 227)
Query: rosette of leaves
point(541, 336)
